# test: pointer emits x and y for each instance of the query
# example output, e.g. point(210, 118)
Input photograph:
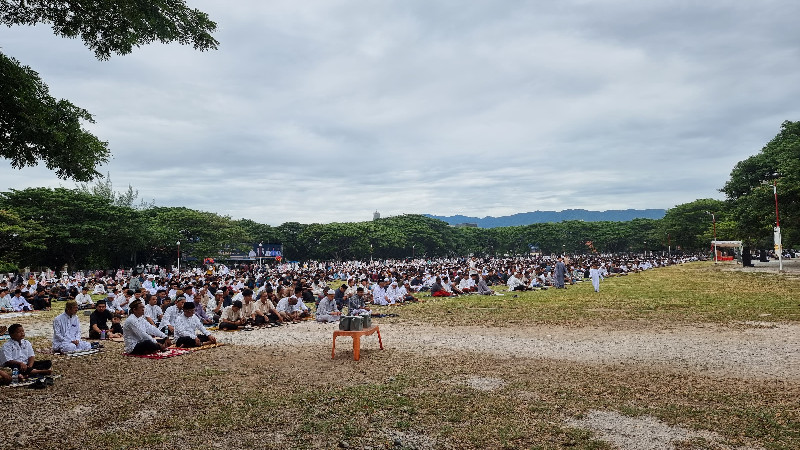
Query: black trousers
point(187, 341)
point(146, 347)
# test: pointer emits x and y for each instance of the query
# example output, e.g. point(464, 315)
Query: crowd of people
point(152, 309)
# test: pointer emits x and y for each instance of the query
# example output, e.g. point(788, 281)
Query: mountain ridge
point(527, 218)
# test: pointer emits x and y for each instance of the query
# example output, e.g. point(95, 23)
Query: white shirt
point(188, 326)
point(18, 303)
point(153, 312)
point(138, 329)
point(16, 351)
point(379, 295)
point(169, 316)
point(84, 299)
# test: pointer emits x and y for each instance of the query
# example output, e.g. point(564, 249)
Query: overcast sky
point(325, 111)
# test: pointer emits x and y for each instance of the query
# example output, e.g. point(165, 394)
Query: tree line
point(95, 227)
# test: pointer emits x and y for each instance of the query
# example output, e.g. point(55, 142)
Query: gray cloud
point(324, 111)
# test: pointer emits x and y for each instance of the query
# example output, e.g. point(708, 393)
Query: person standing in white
point(596, 276)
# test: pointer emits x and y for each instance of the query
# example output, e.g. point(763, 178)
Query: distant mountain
point(612, 215)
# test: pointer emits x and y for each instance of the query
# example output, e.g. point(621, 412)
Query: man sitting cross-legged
point(186, 326)
point(232, 317)
point(67, 330)
point(265, 311)
point(327, 311)
point(18, 352)
point(98, 322)
point(139, 334)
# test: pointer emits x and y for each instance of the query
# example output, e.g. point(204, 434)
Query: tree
point(78, 229)
point(690, 225)
point(750, 188)
point(37, 127)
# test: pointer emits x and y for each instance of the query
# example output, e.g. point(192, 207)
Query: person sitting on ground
point(232, 318)
point(341, 295)
point(200, 311)
point(122, 302)
point(140, 336)
point(357, 304)
point(18, 352)
point(438, 290)
point(98, 321)
point(515, 283)
point(187, 325)
point(84, 300)
point(379, 293)
point(248, 306)
point(19, 303)
point(466, 285)
point(67, 331)
point(449, 287)
point(5, 301)
point(216, 305)
point(328, 311)
point(480, 285)
point(406, 292)
point(170, 314)
point(292, 309)
point(393, 293)
point(265, 311)
point(153, 312)
point(40, 301)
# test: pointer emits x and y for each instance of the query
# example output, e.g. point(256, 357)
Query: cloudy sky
point(327, 110)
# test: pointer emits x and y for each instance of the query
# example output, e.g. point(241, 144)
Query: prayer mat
point(16, 314)
point(80, 353)
point(168, 353)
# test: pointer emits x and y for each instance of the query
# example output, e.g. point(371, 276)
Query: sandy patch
point(639, 433)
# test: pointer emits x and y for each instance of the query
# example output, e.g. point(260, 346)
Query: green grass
point(697, 292)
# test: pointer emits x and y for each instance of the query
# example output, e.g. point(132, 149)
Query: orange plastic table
point(356, 335)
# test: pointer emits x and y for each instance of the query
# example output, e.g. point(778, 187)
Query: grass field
point(297, 397)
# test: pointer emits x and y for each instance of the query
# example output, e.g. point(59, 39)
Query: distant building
point(376, 215)
point(466, 225)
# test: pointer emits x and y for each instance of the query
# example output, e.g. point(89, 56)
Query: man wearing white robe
point(67, 331)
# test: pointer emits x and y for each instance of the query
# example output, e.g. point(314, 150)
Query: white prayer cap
point(331, 292)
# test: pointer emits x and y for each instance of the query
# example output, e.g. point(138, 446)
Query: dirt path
point(761, 350)
point(745, 350)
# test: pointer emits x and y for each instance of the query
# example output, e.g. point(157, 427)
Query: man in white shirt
point(170, 314)
point(139, 334)
point(292, 309)
point(186, 327)
point(18, 302)
point(393, 294)
point(5, 301)
point(18, 352)
point(67, 330)
point(379, 294)
point(515, 283)
point(84, 300)
point(152, 311)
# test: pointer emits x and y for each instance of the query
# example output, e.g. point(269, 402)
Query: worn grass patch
point(291, 398)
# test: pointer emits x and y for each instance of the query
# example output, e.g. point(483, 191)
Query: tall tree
point(750, 188)
point(37, 127)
